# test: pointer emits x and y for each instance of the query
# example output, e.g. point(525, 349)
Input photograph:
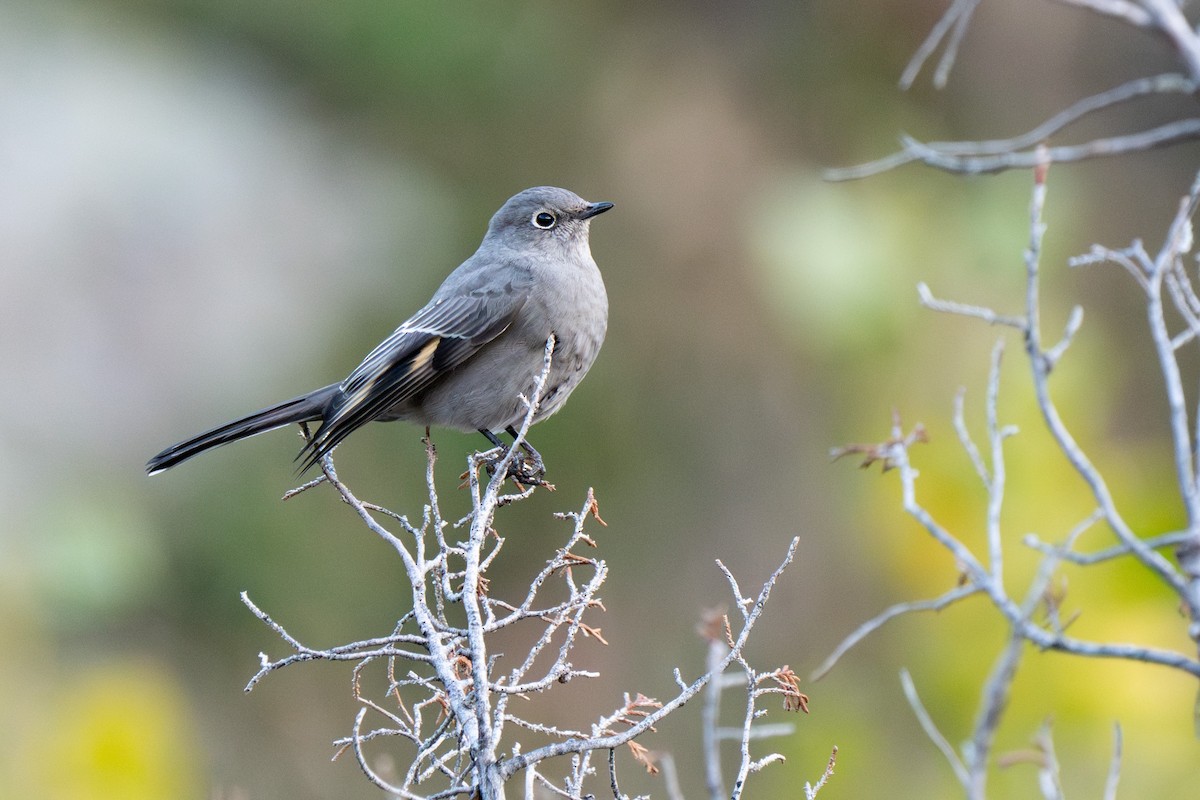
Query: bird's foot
point(525, 469)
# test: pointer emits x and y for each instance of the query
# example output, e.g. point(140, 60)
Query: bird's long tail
point(306, 408)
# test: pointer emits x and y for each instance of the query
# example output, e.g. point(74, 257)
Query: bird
point(469, 356)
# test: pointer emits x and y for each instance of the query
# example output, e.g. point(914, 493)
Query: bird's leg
point(528, 470)
point(494, 439)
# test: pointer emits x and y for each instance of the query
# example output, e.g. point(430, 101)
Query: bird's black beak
point(595, 208)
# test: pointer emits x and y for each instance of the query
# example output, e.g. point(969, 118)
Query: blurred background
point(207, 206)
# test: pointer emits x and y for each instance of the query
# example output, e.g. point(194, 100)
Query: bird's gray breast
point(571, 303)
point(565, 298)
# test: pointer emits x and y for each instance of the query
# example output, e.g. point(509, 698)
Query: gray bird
point(464, 359)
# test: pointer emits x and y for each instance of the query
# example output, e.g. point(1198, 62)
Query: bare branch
point(1074, 322)
point(1168, 18)
point(979, 312)
point(877, 622)
point(1108, 553)
point(1066, 442)
point(1119, 9)
point(810, 790)
point(950, 28)
point(964, 438)
point(975, 163)
point(1114, 765)
point(446, 697)
point(711, 713)
point(996, 436)
point(931, 729)
point(516, 763)
point(1166, 281)
point(1049, 772)
point(1166, 83)
point(995, 700)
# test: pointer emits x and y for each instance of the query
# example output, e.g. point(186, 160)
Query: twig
point(1123, 10)
point(995, 487)
point(931, 155)
point(1114, 765)
point(1049, 772)
point(516, 763)
point(810, 790)
point(964, 438)
point(1108, 553)
point(1168, 18)
point(877, 622)
point(951, 27)
point(979, 312)
point(710, 716)
point(931, 729)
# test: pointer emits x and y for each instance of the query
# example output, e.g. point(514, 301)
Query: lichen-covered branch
point(435, 696)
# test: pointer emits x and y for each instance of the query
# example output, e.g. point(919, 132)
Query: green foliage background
point(208, 206)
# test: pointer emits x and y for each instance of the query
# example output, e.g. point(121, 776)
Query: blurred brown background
point(207, 206)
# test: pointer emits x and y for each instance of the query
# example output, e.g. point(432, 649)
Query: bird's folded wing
point(436, 339)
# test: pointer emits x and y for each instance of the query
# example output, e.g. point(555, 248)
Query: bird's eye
point(544, 220)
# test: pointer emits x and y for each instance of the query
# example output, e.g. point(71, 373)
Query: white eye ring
point(544, 220)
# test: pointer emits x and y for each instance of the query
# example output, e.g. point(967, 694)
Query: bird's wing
point(436, 339)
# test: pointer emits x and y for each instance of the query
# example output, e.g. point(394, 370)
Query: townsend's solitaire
point(464, 360)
